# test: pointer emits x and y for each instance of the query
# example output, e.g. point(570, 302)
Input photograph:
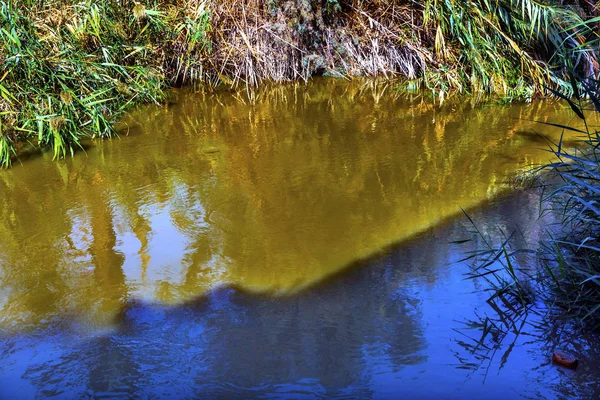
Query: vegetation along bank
point(69, 68)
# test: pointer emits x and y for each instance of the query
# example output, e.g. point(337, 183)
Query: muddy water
point(291, 242)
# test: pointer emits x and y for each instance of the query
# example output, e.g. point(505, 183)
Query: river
point(287, 242)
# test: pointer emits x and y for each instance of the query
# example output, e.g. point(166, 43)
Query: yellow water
point(271, 191)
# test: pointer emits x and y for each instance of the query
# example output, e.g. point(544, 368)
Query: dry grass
point(293, 41)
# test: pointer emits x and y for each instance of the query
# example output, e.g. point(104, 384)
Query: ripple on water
point(281, 249)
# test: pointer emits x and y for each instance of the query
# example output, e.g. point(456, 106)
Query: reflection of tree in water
point(329, 340)
point(271, 196)
point(341, 337)
point(49, 243)
point(110, 290)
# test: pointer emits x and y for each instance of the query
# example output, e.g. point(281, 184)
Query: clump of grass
point(572, 258)
point(70, 68)
point(567, 276)
point(495, 46)
point(507, 280)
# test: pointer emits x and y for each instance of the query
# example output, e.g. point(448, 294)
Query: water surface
point(279, 243)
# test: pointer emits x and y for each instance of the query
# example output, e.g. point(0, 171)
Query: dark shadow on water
point(30, 153)
point(545, 141)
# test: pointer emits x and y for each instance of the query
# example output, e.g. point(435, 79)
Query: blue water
point(390, 327)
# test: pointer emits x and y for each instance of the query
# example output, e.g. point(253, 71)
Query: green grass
point(566, 276)
point(70, 68)
point(491, 46)
point(573, 262)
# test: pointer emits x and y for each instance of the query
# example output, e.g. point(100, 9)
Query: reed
point(572, 261)
point(565, 272)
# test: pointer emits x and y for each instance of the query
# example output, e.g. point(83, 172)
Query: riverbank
point(70, 69)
